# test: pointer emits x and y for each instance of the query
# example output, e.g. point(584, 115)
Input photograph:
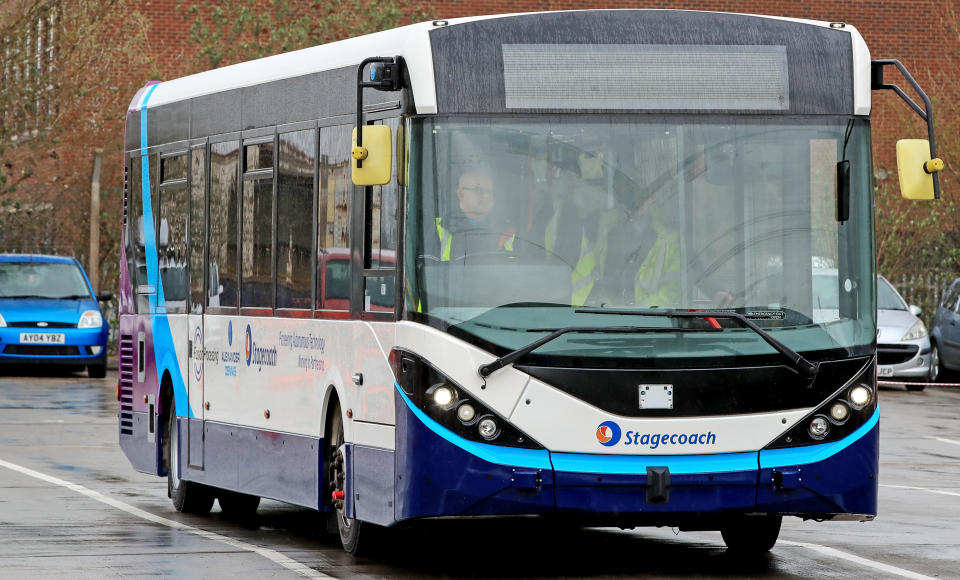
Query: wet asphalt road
point(72, 507)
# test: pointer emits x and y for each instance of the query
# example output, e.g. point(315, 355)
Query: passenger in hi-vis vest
point(634, 260)
point(473, 230)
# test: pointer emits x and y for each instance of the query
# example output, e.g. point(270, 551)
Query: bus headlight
point(860, 396)
point(466, 413)
point(451, 405)
point(839, 412)
point(443, 395)
point(488, 429)
point(2, 321)
point(819, 427)
point(839, 415)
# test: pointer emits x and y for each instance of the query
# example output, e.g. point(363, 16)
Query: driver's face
point(475, 191)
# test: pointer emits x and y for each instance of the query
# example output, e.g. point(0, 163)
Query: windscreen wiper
point(24, 296)
point(489, 368)
point(797, 361)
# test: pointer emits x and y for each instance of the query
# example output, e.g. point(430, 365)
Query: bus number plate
point(41, 338)
point(885, 371)
point(656, 396)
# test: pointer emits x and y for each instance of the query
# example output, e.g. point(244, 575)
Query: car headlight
point(918, 330)
point(90, 319)
point(2, 321)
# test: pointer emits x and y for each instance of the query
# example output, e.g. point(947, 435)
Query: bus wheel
point(752, 534)
point(187, 496)
point(348, 528)
point(237, 505)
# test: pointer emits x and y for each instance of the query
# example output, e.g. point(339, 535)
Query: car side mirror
point(105, 296)
point(915, 310)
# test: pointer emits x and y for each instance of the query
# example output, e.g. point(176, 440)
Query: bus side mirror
point(915, 168)
point(376, 156)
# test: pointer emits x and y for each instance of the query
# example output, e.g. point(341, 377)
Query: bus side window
point(333, 219)
point(294, 224)
point(198, 228)
point(224, 230)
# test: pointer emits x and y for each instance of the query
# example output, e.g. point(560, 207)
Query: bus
point(552, 264)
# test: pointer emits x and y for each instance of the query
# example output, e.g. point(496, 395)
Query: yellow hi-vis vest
point(656, 282)
point(446, 241)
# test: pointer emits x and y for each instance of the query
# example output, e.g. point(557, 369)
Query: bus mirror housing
point(373, 161)
point(915, 168)
point(917, 162)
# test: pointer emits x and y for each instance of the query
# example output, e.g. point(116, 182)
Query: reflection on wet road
point(72, 507)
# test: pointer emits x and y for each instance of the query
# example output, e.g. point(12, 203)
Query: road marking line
point(941, 492)
point(942, 440)
point(834, 553)
point(272, 555)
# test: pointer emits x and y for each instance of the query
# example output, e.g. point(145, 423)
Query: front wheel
point(187, 496)
point(752, 534)
point(348, 528)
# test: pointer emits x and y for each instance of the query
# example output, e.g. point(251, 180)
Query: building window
point(29, 55)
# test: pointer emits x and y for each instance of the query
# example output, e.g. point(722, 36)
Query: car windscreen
point(887, 297)
point(42, 280)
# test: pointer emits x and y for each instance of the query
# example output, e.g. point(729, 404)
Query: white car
point(903, 343)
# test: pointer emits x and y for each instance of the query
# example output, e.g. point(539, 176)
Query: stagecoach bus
point(554, 264)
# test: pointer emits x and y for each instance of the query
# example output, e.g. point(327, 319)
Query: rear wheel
point(187, 496)
point(752, 534)
point(237, 505)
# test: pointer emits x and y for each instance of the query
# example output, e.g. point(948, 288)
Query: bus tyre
point(752, 534)
point(187, 496)
point(97, 371)
point(238, 505)
point(348, 528)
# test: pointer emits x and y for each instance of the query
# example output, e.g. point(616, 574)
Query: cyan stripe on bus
point(813, 453)
point(532, 458)
point(165, 355)
point(630, 464)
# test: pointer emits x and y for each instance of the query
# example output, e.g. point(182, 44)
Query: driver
point(472, 229)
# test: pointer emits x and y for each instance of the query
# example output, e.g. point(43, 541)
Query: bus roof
point(412, 42)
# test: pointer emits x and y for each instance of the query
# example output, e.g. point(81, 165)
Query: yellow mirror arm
point(933, 166)
point(359, 153)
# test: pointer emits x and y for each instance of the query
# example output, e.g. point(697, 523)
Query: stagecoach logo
point(197, 354)
point(608, 433)
point(258, 356)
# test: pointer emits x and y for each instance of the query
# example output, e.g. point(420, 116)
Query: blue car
point(49, 314)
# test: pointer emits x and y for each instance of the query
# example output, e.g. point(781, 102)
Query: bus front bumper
point(440, 474)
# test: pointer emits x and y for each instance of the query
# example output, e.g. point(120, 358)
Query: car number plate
point(42, 338)
point(885, 371)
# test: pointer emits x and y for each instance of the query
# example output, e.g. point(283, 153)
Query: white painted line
point(834, 553)
point(941, 492)
point(271, 555)
point(942, 440)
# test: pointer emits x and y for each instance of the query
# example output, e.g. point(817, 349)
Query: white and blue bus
point(565, 268)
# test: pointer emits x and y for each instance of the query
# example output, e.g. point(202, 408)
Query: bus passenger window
point(294, 224)
point(257, 228)
point(198, 225)
point(224, 210)
point(333, 220)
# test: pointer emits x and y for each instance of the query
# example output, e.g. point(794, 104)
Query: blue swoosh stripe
point(165, 355)
point(813, 453)
point(678, 464)
point(531, 458)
